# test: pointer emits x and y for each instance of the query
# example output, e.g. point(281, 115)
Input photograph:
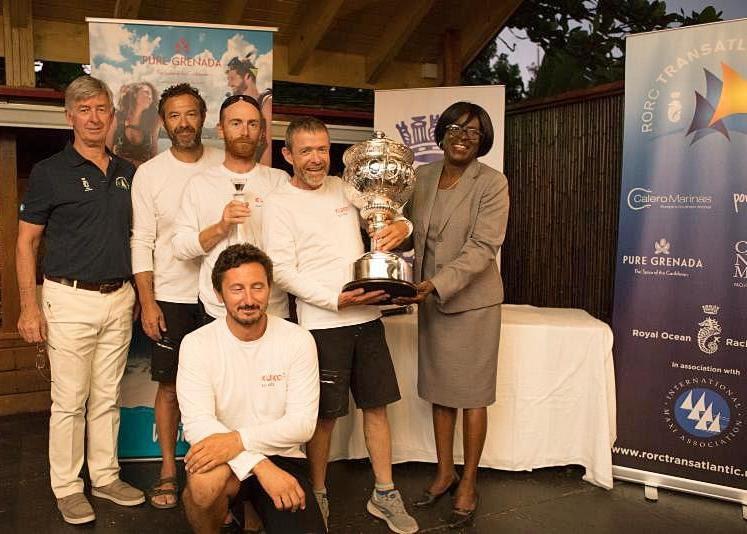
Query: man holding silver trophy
point(312, 233)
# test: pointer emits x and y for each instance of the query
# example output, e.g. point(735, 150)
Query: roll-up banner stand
point(680, 310)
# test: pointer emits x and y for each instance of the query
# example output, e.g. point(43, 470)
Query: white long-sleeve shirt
point(313, 238)
point(156, 198)
point(267, 389)
point(204, 199)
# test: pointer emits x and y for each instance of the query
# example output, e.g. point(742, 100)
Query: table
point(555, 401)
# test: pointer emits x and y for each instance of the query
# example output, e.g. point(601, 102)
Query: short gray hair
point(85, 87)
point(304, 124)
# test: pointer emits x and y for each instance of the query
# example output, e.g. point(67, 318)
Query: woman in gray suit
point(459, 212)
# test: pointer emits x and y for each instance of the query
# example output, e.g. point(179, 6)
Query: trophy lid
point(379, 146)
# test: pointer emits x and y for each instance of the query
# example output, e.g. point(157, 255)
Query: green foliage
point(491, 69)
point(584, 40)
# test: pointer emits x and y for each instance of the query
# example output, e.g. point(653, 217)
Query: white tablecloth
point(555, 396)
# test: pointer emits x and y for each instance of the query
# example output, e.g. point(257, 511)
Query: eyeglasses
point(457, 130)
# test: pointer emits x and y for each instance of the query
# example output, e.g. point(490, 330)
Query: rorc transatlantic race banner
point(138, 60)
point(680, 313)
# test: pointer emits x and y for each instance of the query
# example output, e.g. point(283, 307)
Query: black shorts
point(355, 358)
point(205, 317)
point(181, 319)
point(274, 520)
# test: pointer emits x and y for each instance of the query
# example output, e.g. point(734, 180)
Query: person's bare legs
point(444, 419)
point(475, 426)
point(167, 415)
point(379, 443)
point(317, 451)
point(206, 498)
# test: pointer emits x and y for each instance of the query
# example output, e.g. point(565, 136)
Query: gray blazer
point(467, 275)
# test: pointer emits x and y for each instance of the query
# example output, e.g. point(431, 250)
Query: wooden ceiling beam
point(68, 42)
point(395, 36)
point(484, 25)
point(310, 35)
point(233, 11)
point(126, 9)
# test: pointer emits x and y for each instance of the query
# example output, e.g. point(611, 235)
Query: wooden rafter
point(18, 43)
point(126, 9)
point(484, 25)
point(233, 11)
point(305, 41)
point(395, 37)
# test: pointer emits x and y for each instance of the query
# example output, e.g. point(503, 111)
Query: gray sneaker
point(391, 509)
point(323, 502)
point(120, 492)
point(76, 509)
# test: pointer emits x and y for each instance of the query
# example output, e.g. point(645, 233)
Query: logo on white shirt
point(341, 212)
point(269, 380)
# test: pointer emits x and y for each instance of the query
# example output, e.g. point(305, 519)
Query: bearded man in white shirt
point(213, 216)
point(248, 386)
point(312, 232)
point(167, 287)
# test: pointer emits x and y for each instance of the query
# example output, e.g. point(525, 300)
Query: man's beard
point(314, 179)
point(194, 142)
point(242, 147)
point(243, 321)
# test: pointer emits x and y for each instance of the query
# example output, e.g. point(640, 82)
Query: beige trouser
point(88, 338)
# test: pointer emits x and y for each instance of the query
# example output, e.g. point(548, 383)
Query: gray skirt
point(458, 355)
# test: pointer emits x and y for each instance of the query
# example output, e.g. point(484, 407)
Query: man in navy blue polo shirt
point(79, 199)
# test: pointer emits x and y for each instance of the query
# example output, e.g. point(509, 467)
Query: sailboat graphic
point(706, 422)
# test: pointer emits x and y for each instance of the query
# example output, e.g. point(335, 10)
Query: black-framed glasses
point(457, 130)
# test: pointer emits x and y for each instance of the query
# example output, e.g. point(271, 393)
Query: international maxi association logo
point(420, 136)
point(703, 412)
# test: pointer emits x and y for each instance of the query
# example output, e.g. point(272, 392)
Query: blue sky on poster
point(126, 52)
point(527, 53)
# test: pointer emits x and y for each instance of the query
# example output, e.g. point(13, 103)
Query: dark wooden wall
point(563, 160)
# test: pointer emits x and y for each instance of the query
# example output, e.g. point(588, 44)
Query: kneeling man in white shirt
point(248, 389)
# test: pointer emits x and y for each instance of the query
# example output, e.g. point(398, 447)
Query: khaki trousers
point(88, 338)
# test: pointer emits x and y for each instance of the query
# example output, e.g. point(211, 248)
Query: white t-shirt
point(267, 389)
point(156, 197)
point(202, 205)
point(313, 238)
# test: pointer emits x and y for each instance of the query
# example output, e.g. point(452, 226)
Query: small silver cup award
point(382, 179)
point(244, 233)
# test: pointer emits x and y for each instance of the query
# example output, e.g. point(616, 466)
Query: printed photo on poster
point(139, 60)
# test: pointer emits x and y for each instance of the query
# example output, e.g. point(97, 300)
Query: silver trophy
point(381, 179)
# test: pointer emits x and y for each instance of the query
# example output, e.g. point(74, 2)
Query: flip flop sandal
point(157, 491)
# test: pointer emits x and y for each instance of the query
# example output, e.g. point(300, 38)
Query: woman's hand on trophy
point(235, 212)
point(389, 237)
point(359, 297)
point(424, 288)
